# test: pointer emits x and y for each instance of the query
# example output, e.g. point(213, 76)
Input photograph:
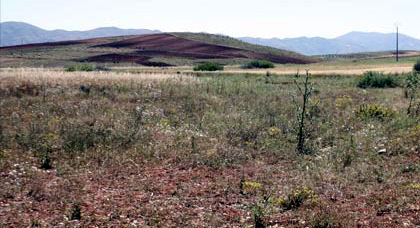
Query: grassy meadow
point(144, 147)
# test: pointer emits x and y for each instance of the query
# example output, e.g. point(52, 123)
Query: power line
point(397, 45)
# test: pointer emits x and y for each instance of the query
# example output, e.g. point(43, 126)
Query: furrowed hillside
point(162, 49)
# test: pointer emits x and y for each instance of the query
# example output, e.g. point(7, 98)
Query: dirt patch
point(120, 58)
point(169, 44)
point(184, 54)
point(117, 58)
point(156, 64)
point(278, 58)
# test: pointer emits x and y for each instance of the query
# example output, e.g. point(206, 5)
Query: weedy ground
point(215, 150)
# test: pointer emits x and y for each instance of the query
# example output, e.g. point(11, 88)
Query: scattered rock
point(382, 151)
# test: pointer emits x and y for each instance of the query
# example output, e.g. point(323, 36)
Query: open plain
point(134, 146)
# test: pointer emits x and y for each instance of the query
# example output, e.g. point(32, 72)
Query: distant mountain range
point(16, 33)
point(352, 42)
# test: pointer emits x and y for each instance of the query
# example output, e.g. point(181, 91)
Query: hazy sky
point(258, 18)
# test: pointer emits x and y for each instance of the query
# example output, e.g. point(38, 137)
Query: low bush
point(80, 137)
point(412, 89)
point(249, 186)
point(21, 89)
point(416, 67)
point(413, 138)
point(367, 111)
point(298, 198)
point(75, 212)
point(208, 67)
point(372, 79)
point(260, 64)
point(406, 142)
point(80, 67)
point(258, 214)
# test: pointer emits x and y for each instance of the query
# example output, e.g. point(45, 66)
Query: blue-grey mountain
point(16, 33)
point(352, 42)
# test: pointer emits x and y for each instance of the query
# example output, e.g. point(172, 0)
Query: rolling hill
point(352, 42)
point(163, 49)
point(18, 33)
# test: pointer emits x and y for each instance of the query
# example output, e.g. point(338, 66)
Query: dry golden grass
point(35, 79)
point(343, 67)
point(59, 75)
point(328, 69)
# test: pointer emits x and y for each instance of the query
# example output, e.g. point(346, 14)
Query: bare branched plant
point(304, 91)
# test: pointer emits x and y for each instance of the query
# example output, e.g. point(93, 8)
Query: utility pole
point(397, 44)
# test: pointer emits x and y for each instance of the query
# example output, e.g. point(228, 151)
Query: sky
point(237, 18)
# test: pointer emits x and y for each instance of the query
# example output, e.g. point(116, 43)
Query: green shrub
point(298, 198)
point(377, 80)
point(75, 212)
point(258, 214)
point(80, 67)
point(208, 67)
point(46, 161)
point(81, 137)
point(412, 89)
point(249, 186)
point(35, 223)
point(260, 64)
point(406, 142)
point(416, 67)
point(368, 111)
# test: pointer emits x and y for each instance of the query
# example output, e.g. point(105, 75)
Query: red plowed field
point(140, 50)
point(116, 58)
point(177, 46)
point(50, 44)
point(170, 45)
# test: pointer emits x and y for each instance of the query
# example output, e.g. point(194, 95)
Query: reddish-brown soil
point(174, 196)
point(48, 44)
point(173, 46)
point(145, 47)
point(119, 58)
point(181, 54)
point(116, 58)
